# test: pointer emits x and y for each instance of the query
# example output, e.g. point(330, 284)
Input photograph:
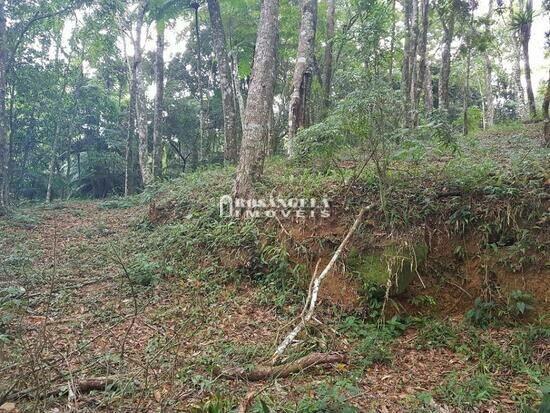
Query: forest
point(300, 206)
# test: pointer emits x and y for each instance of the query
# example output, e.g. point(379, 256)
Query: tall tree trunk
point(444, 75)
point(489, 100)
point(51, 167)
point(466, 93)
point(260, 93)
point(230, 130)
point(392, 41)
point(303, 71)
point(525, 37)
point(4, 147)
point(198, 69)
point(141, 105)
point(545, 114)
point(129, 178)
point(428, 92)
point(410, 67)
point(237, 86)
point(159, 98)
point(327, 68)
point(422, 50)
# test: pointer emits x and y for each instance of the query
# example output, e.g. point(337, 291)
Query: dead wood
point(284, 370)
point(78, 387)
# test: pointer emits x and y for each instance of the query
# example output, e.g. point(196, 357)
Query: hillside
point(156, 296)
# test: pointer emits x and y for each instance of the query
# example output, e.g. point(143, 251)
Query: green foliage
point(143, 271)
point(216, 404)
point(436, 334)
point(466, 392)
point(329, 399)
point(482, 314)
point(520, 303)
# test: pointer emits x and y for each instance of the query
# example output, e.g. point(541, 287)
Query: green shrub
point(482, 314)
point(520, 303)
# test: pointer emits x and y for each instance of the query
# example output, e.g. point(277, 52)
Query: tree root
point(260, 373)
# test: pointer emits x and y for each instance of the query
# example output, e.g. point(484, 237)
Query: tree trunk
point(428, 92)
point(230, 131)
point(141, 106)
point(4, 147)
point(409, 60)
point(327, 77)
point(198, 69)
point(489, 103)
point(303, 72)
point(129, 179)
point(466, 93)
point(51, 168)
point(545, 105)
point(422, 50)
point(525, 37)
point(237, 87)
point(443, 87)
point(260, 93)
point(159, 98)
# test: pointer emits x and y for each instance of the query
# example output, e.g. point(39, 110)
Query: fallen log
point(77, 387)
point(283, 370)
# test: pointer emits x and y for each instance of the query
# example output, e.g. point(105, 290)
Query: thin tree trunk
point(51, 168)
point(303, 71)
point(4, 147)
point(443, 87)
point(159, 98)
point(525, 37)
point(198, 69)
point(428, 92)
point(230, 131)
point(129, 181)
point(141, 106)
point(545, 105)
point(422, 51)
point(517, 87)
point(489, 102)
point(466, 94)
point(327, 77)
point(260, 92)
point(392, 41)
point(237, 87)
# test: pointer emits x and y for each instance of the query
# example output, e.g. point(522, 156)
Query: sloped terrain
point(160, 294)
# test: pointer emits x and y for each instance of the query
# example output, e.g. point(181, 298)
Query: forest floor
point(84, 294)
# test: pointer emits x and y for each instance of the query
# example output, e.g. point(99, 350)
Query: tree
point(4, 147)
point(446, 12)
point(545, 114)
point(228, 97)
point(410, 67)
point(260, 97)
point(489, 99)
point(303, 72)
point(141, 104)
point(522, 21)
point(327, 78)
point(159, 98)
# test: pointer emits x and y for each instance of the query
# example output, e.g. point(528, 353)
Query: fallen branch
point(78, 387)
point(284, 370)
point(315, 284)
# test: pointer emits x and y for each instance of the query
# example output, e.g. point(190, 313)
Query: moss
point(398, 261)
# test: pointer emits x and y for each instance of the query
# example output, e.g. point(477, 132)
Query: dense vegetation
point(420, 128)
